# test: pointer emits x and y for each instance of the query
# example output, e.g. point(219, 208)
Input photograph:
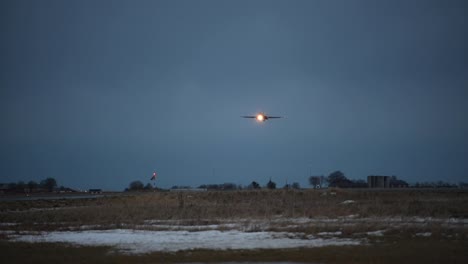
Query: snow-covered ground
point(139, 241)
point(221, 234)
point(337, 233)
point(425, 234)
point(376, 233)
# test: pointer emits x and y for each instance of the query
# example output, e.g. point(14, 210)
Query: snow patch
point(138, 242)
point(376, 233)
point(426, 234)
point(8, 224)
point(351, 216)
point(337, 233)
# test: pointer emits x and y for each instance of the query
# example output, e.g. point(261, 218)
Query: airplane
point(262, 117)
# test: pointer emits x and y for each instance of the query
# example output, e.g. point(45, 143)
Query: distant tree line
point(334, 179)
point(338, 179)
point(225, 186)
point(252, 186)
point(272, 185)
point(139, 186)
point(46, 185)
point(438, 184)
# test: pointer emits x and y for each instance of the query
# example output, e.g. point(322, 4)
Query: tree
point(316, 181)
point(136, 186)
point(397, 183)
point(32, 185)
point(49, 184)
point(338, 179)
point(148, 187)
point(296, 185)
point(359, 184)
point(271, 185)
point(228, 186)
point(254, 185)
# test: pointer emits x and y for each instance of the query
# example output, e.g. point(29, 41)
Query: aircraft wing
point(249, 116)
point(275, 117)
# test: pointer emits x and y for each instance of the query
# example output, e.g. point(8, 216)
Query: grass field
point(408, 226)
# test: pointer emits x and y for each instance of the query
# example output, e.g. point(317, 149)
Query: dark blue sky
point(101, 93)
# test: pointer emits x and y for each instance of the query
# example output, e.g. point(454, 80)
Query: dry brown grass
point(264, 204)
point(446, 244)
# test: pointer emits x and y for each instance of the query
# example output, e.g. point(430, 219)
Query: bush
point(271, 185)
point(136, 186)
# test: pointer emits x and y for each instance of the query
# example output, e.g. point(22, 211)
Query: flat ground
point(314, 226)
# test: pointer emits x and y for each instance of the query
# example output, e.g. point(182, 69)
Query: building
point(95, 191)
point(378, 181)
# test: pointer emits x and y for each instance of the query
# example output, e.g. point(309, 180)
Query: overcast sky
point(100, 93)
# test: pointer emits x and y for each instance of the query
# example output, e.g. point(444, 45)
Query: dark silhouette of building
point(95, 191)
point(374, 181)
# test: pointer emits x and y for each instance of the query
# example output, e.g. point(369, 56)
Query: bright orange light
point(260, 117)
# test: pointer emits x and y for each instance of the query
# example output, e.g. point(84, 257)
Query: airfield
point(273, 226)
